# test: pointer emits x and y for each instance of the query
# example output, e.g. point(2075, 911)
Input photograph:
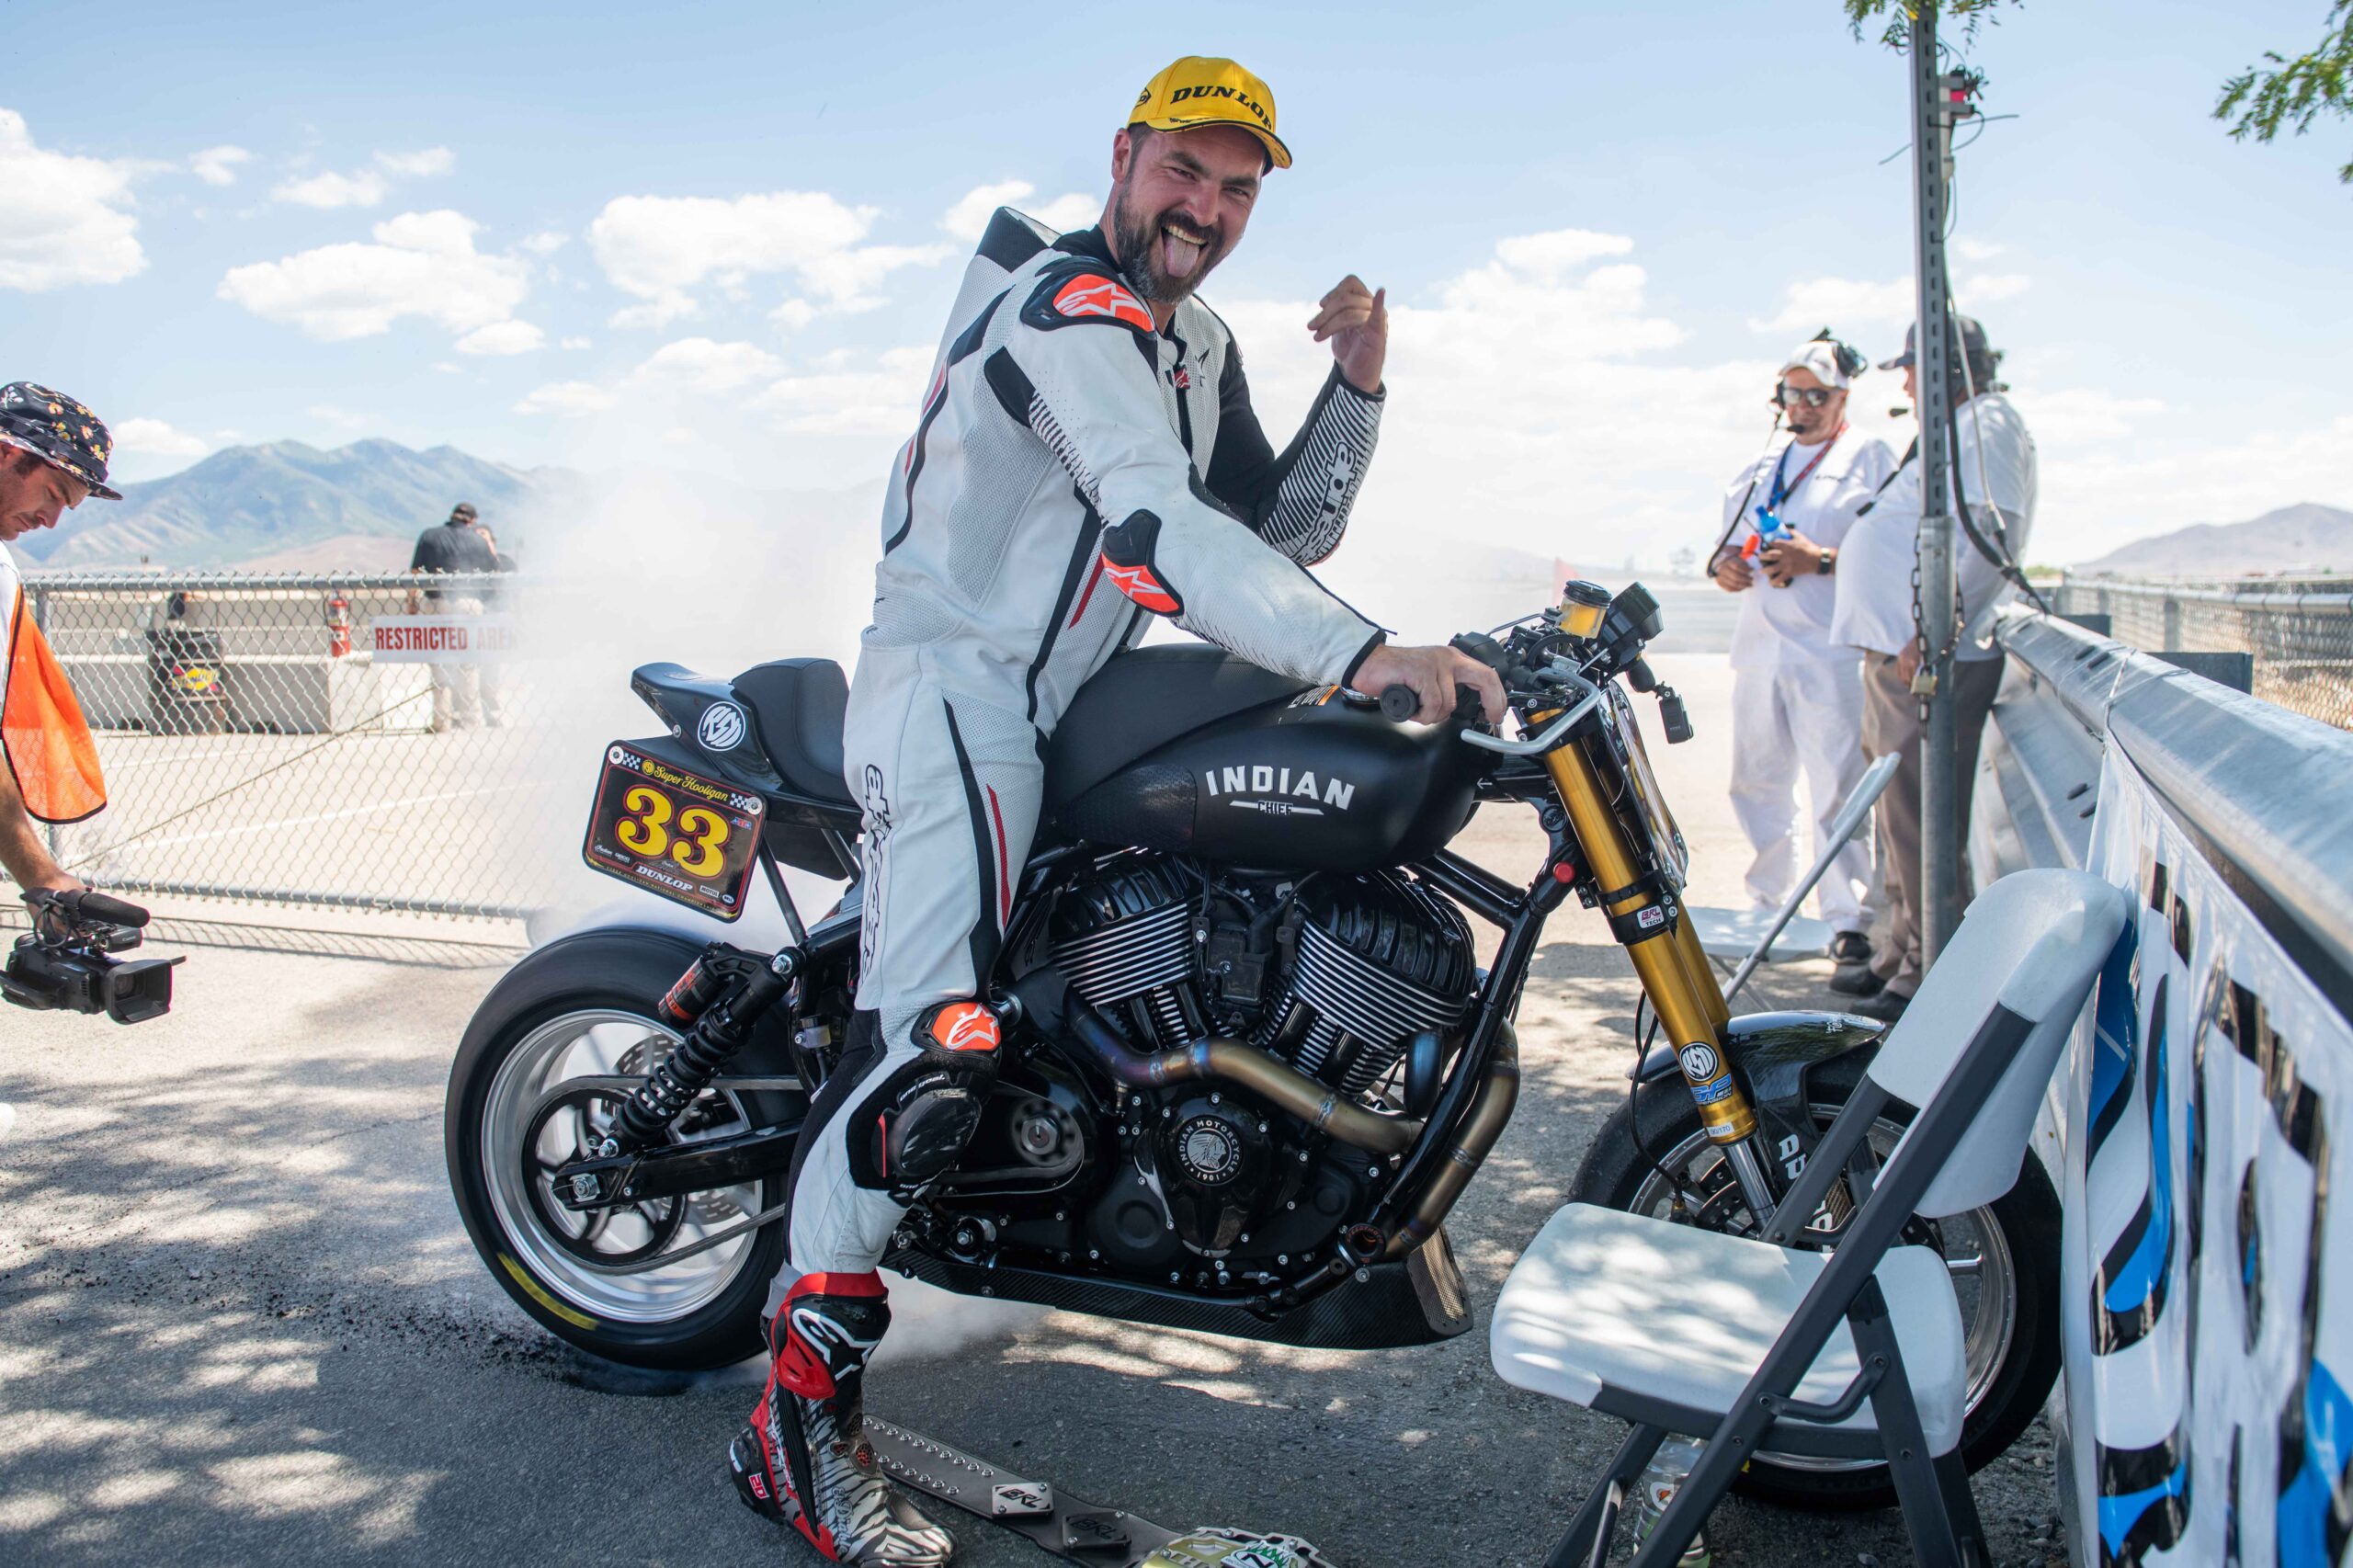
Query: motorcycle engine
point(1334, 974)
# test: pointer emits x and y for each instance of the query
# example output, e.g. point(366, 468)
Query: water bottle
point(1769, 531)
point(1660, 1480)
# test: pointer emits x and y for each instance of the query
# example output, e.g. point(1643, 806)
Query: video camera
point(64, 961)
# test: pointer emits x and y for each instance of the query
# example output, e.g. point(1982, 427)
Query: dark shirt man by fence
point(464, 695)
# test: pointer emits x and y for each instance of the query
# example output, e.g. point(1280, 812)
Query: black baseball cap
point(1973, 341)
point(464, 509)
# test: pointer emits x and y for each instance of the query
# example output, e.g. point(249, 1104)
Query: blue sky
point(712, 237)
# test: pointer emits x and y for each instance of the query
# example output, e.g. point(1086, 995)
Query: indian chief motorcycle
point(1250, 1062)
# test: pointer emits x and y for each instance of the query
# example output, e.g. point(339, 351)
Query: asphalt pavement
point(239, 1323)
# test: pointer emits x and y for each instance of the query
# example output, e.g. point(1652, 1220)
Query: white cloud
point(698, 364)
point(155, 439)
point(794, 315)
point(545, 242)
point(969, 218)
point(658, 248)
point(1974, 293)
point(61, 217)
point(501, 337)
point(1844, 304)
point(576, 343)
point(330, 190)
point(689, 366)
point(423, 264)
point(2081, 416)
point(567, 397)
point(420, 164)
point(1548, 255)
point(361, 187)
point(2094, 500)
point(851, 394)
point(1977, 250)
point(218, 166)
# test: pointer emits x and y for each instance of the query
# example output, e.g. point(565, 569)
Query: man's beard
point(1141, 241)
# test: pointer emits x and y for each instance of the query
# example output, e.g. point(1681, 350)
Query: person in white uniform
point(1994, 471)
point(1797, 695)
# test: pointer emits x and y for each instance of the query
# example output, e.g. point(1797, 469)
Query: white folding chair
point(1754, 1344)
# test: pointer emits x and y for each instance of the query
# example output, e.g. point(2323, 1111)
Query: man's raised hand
point(1355, 321)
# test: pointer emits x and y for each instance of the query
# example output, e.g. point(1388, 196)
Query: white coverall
point(1072, 472)
point(1797, 696)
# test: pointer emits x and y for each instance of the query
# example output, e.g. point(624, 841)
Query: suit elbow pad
point(1127, 560)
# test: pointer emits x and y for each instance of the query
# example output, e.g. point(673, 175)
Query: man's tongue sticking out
point(1181, 246)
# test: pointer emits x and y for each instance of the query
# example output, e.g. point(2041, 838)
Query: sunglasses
point(1788, 396)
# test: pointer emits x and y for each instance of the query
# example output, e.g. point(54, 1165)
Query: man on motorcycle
point(1086, 458)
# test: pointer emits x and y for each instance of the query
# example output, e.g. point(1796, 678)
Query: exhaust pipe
point(1490, 1112)
point(1318, 1105)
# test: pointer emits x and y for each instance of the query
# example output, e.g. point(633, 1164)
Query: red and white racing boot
point(804, 1460)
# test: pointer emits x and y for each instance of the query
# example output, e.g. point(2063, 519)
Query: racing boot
point(804, 1460)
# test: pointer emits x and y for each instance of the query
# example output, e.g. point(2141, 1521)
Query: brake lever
point(1545, 740)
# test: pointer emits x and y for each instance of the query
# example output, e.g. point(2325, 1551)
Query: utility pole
point(1936, 102)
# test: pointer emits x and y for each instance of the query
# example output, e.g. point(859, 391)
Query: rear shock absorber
point(719, 998)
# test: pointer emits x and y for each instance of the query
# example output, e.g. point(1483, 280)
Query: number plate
point(673, 831)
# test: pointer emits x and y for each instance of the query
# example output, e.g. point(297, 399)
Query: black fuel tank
point(1318, 784)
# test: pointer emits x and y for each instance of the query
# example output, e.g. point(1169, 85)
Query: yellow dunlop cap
point(1203, 90)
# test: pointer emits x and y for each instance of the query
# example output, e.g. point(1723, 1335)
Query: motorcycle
point(1250, 1060)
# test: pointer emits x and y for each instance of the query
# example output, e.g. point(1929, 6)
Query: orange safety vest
point(47, 743)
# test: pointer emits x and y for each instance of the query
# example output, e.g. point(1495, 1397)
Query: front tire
point(2005, 1258)
point(585, 1007)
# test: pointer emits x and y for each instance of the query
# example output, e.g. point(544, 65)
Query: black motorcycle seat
point(796, 709)
point(1141, 700)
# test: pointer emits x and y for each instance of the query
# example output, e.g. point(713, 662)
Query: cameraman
point(52, 458)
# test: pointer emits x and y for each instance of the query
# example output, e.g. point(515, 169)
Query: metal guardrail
point(2298, 631)
point(2268, 793)
point(2196, 1132)
point(254, 748)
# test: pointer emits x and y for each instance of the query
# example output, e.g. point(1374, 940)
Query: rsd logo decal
point(1700, 1061)
point(721, 728)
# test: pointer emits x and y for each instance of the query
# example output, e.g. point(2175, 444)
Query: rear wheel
point(535, 1085)
point(2004, 1258)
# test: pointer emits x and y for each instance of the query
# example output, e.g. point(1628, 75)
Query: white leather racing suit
point(1074, 471)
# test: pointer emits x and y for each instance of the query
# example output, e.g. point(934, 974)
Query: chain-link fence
point(364, 739)
point(2299, 629)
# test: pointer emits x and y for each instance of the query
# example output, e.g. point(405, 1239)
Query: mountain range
point(286, 506)
point(2304, 538)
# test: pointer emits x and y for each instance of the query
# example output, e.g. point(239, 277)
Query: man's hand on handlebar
point(1432, 674)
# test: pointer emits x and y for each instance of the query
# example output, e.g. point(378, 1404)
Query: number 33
point(699, 848)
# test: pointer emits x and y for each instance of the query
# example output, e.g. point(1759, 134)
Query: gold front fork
point(1674, 969)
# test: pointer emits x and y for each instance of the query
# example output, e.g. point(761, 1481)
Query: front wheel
point(536, 1082)
point(2004, 1257)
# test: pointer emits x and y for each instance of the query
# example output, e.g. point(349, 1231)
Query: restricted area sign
point(441, 638)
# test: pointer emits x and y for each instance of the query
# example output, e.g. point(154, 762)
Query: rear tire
point(587, 1006)
point(2018, 1365)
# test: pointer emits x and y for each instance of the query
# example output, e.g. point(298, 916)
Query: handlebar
point(1400, 702)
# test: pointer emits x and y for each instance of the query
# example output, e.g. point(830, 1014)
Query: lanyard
point(1783, 492)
